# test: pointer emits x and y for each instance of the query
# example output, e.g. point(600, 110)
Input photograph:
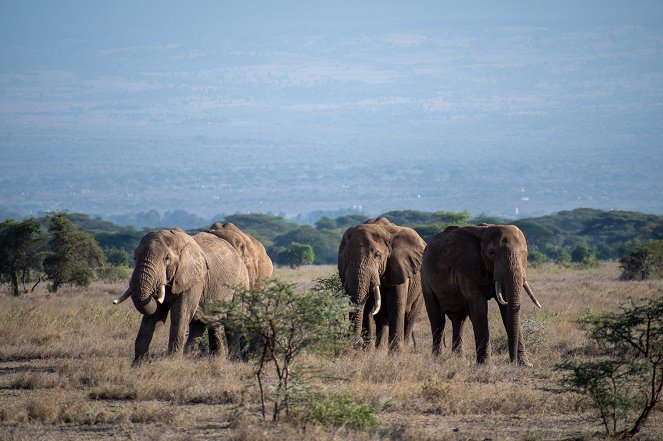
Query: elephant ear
point(460, 248)
point(404, 261)
point(341, 253)
point(191, 268)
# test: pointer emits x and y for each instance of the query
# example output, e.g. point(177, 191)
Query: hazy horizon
point(503, 108)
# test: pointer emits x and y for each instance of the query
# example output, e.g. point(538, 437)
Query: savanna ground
point(65, 374)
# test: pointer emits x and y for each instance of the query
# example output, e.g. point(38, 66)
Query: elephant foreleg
point(397, 304)
point(180, 317)
point(381, 329)
point(410, 318)
point(479, 316)
point(148, 326)
point(522, 353)
point(368, 331)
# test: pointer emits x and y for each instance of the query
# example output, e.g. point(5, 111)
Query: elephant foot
point(524, 362)
point(138, 361)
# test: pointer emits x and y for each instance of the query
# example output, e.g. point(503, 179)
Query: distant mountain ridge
point(606, 232)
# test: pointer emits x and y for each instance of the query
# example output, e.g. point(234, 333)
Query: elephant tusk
point(498, 293)
point(162, 294)
point(378, 300)
point(529, 292)
point(122, 298)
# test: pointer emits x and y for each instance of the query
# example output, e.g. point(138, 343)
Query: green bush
point(341, 411)
point(563, 258)
point(536, 258)
point(296, 255)
point(117, 256)
point(643, 261)
point(113, 273)
point(583, 256)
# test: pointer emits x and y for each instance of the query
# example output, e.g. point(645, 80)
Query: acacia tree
point(73, 253)
point(19, 245)
point(626, 381)
point(286, 323)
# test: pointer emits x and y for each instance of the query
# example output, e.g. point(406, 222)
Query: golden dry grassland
point(65, 374)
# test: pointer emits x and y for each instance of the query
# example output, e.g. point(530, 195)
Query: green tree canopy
point(324, 242)
point(583, 255)
point(73, 256)
point(412, 218)
point(341, 223)
point(643, 261)
point(263, 227)
point(19, 245)
point(296, 255)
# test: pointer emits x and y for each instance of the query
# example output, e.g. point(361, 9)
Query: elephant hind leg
point(410, 318)
point(457, 326)
point(196, 331)
point(216, 345)
point(479, 317)
point(436, 319)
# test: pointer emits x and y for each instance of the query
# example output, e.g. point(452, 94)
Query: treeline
point(607, 234)
point(581, 235)
point(54, 249)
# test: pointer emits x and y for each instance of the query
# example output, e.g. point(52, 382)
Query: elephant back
point(253, 253)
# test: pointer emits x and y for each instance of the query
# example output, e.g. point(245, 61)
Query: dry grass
point(65, 374)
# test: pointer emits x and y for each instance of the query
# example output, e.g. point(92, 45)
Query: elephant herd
point(387, 270)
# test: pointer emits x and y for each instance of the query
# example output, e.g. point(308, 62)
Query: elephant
point(179, 273)
point(258, 263)
point(383, 259)
point(462, 269)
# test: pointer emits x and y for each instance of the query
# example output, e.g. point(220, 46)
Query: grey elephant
point(258, 264)
point(177, 273)
point(462, 269)
point(379, 266)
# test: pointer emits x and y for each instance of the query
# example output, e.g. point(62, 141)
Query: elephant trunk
point(512, 283)
point(358, 285)
point(143, 284)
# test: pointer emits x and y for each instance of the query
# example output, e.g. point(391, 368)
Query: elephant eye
point(167, 260)
point(377, 255)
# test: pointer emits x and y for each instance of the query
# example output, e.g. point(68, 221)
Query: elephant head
point(376, 254)
point(504, 257)
point(166, 258)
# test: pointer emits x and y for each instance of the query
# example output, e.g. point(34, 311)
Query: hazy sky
point(404, 79)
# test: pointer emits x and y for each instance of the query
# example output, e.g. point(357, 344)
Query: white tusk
point(498, 293)
point(529, 292)
point(378, 300)
point(122, 298)
point(162, 294)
